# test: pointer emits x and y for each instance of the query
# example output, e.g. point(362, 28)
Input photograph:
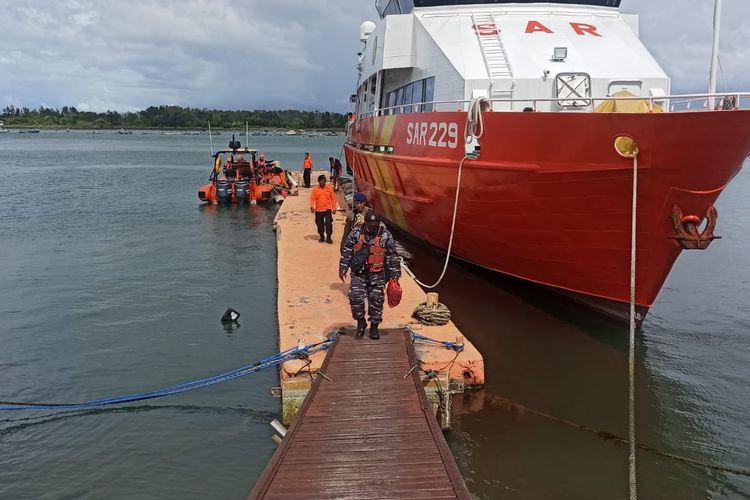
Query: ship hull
point(549, 199)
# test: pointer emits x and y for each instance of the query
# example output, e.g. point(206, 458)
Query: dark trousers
point(306, 177)
point(324, 221)
point(372, 288)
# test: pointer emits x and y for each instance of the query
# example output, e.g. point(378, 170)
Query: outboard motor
point(241, 191)
point(224, 192)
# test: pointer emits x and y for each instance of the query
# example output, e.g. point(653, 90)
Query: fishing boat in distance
point(562, 104)
point(240, 175)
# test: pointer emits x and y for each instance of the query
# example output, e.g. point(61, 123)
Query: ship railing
point(670, 103)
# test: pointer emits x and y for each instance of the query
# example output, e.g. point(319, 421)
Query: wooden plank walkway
point(367, 433)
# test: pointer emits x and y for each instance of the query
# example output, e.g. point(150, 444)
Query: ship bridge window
point(371, 94)
point(399, 99)
point(573, 90)
point(391, 100)
point(408, 97)
point(414, 97)
point(429, 94)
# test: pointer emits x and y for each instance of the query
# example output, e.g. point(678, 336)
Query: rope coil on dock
point(430, 315)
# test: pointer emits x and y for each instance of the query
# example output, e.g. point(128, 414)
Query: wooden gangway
point(365, 430)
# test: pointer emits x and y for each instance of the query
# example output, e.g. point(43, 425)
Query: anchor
point(687, 234)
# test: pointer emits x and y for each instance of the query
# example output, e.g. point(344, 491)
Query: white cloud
point(679, 34)
point(112, 54)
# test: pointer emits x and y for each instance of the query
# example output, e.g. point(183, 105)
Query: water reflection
point(550, 420)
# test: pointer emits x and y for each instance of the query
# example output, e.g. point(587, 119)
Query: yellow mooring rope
point(631, 355)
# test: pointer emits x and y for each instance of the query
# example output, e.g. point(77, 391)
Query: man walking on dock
point(370, 253)
point(323, 205)
point(335, 172)
point(307, 166)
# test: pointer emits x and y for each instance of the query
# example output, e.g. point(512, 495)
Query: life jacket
point(376, 259)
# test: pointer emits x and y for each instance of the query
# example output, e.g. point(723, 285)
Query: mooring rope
point(454, 346)
point(501, 402)
point(474, 130)
point(632, 479)
point(300, 352)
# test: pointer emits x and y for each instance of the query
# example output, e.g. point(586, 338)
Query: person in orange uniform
point(307, 165)
point(323, 205)
point(261, 165)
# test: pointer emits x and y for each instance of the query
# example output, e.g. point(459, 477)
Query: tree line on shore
point(170, 117)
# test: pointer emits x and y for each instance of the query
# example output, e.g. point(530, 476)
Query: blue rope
point(454, 346)
point(275, 360)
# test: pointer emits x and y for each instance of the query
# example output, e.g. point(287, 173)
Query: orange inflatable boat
point(240, 176)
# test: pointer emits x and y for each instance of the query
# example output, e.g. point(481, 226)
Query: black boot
point(374, 335)
point(361, 327)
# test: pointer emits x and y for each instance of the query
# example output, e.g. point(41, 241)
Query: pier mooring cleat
point(374, 335)
point(361, 327)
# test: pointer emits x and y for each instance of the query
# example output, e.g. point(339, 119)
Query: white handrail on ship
point(672, 101)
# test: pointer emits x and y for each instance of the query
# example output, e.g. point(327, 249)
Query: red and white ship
point(545, 195)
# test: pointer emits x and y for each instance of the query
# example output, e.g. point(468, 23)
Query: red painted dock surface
point(367, 433)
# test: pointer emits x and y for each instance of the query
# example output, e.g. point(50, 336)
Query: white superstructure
point(521, 51)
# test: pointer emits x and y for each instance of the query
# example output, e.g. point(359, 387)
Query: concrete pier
point(313, 303)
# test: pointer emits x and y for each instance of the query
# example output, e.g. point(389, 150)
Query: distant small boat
point(291, 132)
point(3, 130)
point(171, 133)
point(29, 131)
point(122, 131)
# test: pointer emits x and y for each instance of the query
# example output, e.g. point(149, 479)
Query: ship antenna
point(715, 54)
point(210, 138)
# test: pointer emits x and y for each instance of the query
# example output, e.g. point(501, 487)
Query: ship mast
point(715, 54)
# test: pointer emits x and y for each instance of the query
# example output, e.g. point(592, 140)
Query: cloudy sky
point(250, 54)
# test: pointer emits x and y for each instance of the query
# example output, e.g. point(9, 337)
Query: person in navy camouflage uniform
point(380, 265)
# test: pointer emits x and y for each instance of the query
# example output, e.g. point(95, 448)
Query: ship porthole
point(626, 146)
